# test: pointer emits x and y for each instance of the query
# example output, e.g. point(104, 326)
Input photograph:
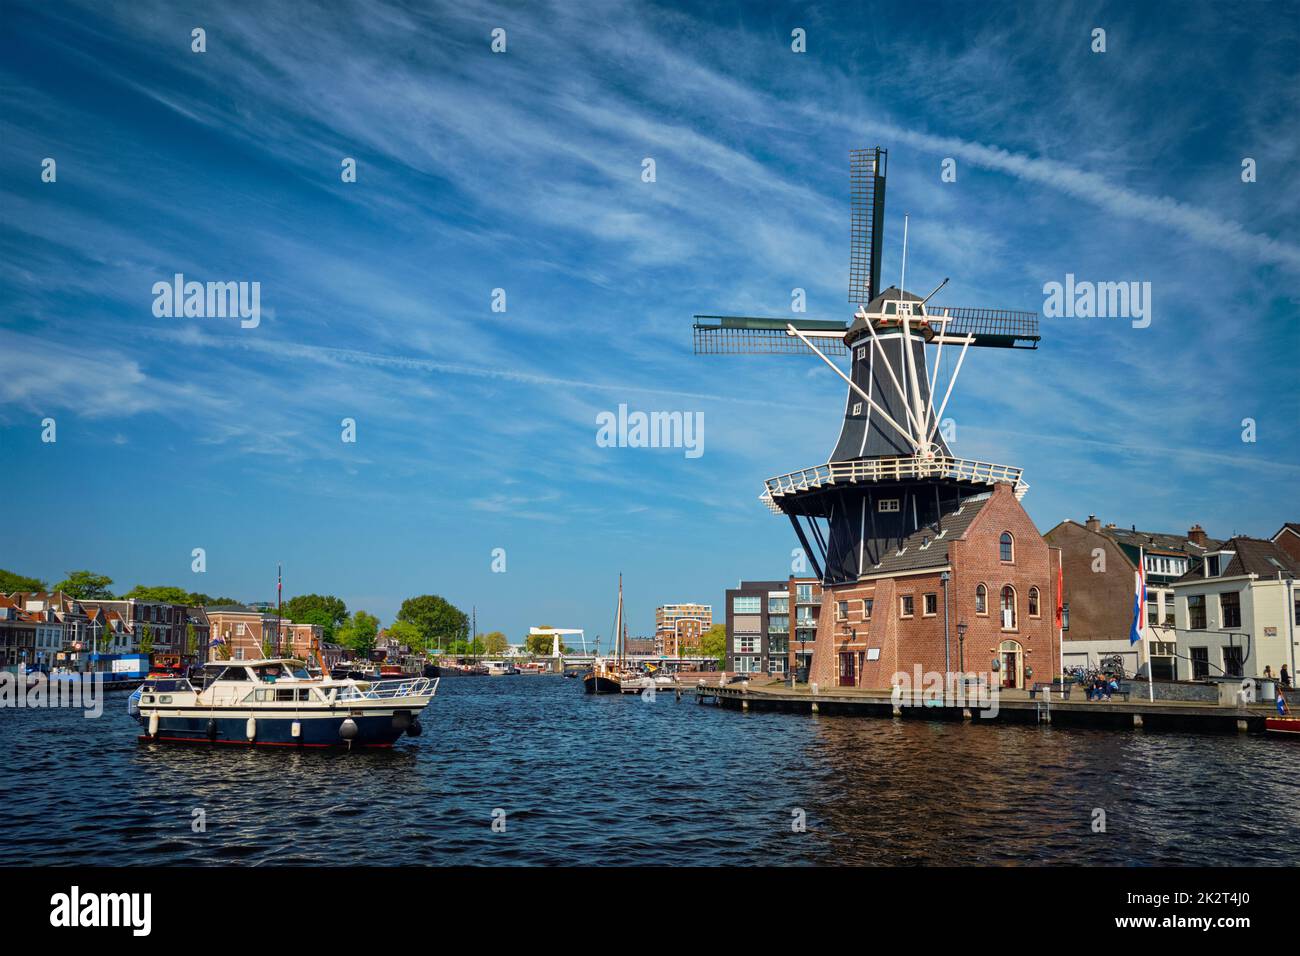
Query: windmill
point(891, 472)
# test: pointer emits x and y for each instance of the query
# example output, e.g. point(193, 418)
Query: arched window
point(1009, 608)
point(1033, 602)
point(1006, 549)
point(981, 600)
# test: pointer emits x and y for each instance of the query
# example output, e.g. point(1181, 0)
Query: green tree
point(199, 599)
point(86, 586)
point(713, 643)
point(538, 644)
point(191, 640)
point(439, 621)
point(359, 632)
point(323, 609)
point(404, 632)
point(166, 593)
point(328, 626)
point(494, 643)
point(146, 639)
point(11, 582)
point(463, 647)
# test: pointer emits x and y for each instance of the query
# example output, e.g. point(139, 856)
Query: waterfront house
point(1237, 613)
point(17, 635)
point(1100, 565)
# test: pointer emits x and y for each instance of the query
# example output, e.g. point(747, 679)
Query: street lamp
point(961, 646)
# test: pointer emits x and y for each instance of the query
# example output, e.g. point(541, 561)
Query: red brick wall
point(1289, 542)
point(1101, 603)
point(975, 558)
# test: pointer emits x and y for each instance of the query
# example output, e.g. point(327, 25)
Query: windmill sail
point(867, 195)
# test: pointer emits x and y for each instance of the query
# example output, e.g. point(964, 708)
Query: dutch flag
point(1139, 600)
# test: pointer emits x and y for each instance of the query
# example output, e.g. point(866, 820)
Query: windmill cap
point(858, 327)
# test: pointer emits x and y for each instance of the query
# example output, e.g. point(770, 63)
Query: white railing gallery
point(891, 469)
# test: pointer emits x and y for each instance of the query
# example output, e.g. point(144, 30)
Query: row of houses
point(984, 590)
point(1214, 607)
point(54, 631)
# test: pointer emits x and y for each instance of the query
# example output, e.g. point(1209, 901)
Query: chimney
point(1196, 535)
point(1092, 523)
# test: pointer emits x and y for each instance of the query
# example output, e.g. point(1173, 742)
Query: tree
point(404, 632)
point(199, 599)
point(146, 639)
point(191, 640)
point(328, 626)
point(439, 621)
point(323, 609)
point(539, 644)
point(713, 643)
point(358, 633)
point(463, 647)
point(86, 586)
point(11, 582)
point(165, 593)
point(494, 643)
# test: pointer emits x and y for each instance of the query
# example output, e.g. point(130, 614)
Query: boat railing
point(389, 689)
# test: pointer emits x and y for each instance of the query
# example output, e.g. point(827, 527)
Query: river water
point(607, 780)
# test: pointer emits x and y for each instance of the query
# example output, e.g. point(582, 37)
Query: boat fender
point(401, 721)
point(250, 728)
point(212, 728)
point(416, 728)
point(153, 724)
point(348, 730)
point(295, 730)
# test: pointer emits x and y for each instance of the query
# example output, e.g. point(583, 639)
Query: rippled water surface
point(608, 780)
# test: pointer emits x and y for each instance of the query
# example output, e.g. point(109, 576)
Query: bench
point(1041, 686)
point(1122, 693)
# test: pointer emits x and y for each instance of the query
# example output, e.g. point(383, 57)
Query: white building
point(1237, 614)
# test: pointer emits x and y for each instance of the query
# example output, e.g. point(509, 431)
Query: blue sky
point(476, 429)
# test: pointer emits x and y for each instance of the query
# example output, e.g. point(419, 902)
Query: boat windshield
point(280, 671)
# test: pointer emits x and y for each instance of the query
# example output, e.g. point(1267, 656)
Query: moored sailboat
point(606, 676)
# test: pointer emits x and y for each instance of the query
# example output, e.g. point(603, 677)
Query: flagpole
point(1142, 612)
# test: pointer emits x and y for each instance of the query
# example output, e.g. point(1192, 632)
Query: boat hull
point(600, 684)
point(1283, 725)
point(376, 730)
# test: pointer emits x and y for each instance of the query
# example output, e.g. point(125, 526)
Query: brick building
point(1101, 562)
point(974, 591)
point(760, 616)
point(247, 633)
point(1288, 539)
